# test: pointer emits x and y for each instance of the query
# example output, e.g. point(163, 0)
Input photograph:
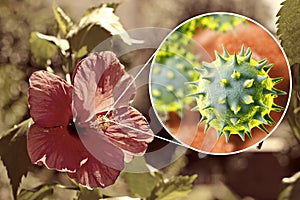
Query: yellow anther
point(101, 123)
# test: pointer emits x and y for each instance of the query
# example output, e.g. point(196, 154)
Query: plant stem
point(68, 78)
point(66, 187)
point(49, 69)
point(16, 127)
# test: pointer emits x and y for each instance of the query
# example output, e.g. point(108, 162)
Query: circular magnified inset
point(220, 83)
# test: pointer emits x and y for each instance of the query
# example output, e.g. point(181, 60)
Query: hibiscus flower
point(86, 129)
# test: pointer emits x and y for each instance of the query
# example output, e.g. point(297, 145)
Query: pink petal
point(94, 174)
point(56, 148)
point(99, 81)
point(131, 131)
point(101, 148)
point(50, 99)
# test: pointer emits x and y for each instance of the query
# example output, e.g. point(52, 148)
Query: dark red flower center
point(72, 128)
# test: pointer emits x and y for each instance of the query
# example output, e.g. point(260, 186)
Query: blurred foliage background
point(249, 175)
point(17, 20)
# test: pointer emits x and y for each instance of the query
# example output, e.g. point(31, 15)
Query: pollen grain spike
point(227, 135)
point(242, 52)
point(206, 127)
point(234, 121)
point(261, 104)
point(268, 67)
point(242, 135)
point(258, 117)
point(235, 60)
point(277, 80)
point(262, 127)
point(197, 94)
point(207, 107)
point(201, 71)
point(212, 117)
point(269, 119)
point(248, 57)
point(203, 118)
point(247, 127)
point(220, 132)
point(248, 51)
point(261, 78)
point(192, 83)
point(196, 108)
point(221, 59)
point(277, 108)
point(208, 78)
point(261, 64)
point(225, 52)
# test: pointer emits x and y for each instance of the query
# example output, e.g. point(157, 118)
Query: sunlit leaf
point(288, 29)
point(97, 25)
point(60, 43)
point(15, 157)
point(37, 193)
point(110, 5)
point(63, 20)
point(104, 16)
point(41, 49)
point(173, 189)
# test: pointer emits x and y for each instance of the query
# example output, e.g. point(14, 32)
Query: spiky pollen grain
point(236, 94)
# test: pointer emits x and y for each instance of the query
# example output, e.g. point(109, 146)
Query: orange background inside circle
point(263, 46)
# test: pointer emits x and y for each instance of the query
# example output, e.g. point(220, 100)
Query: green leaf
point(110, 5)
point(14, 156)
point(97, 25)
point(295, 193)
point(173, 189)
point(86, 194)
point(288, 26)
point(37, 193)
point(292, 191)
point(286, 193)
point(64, 22)
point(141, 184)
point(81, 52)
point(89, 36)
point(41, 49)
